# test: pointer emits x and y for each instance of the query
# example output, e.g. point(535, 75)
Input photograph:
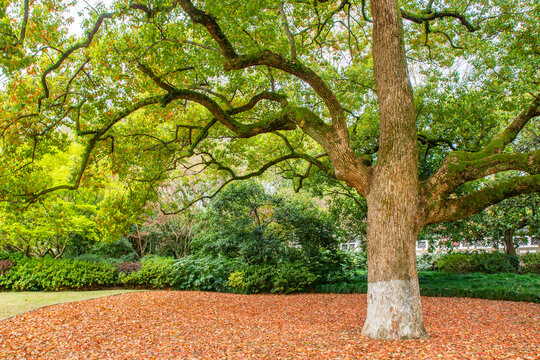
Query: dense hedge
point(226, 275)
point(530, 263)
point(282, 278)
point(470, 262)
point(53, 274)
point(154, 272)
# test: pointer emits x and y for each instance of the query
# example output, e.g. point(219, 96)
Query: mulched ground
point(198, 325)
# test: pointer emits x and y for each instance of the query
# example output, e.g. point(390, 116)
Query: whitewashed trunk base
point(394, 311)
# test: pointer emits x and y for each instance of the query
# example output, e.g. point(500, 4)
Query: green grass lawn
point(14, 303)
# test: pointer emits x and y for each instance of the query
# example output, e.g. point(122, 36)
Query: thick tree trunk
point(394, 310)
point(395, 213)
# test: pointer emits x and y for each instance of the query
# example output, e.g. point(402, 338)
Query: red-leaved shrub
point(129, 267)
point(5, 265)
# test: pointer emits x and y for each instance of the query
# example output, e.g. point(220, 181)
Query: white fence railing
point(526, 244)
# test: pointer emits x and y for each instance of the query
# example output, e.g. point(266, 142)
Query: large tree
point(183, 87)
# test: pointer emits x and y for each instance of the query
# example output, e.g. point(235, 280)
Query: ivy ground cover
point(199, 325)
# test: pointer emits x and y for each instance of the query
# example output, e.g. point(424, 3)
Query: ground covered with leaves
point(199, 325)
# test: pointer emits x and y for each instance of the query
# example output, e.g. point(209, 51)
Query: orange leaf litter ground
point(199, 325)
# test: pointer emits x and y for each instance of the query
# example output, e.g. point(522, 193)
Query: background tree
point(152, 84)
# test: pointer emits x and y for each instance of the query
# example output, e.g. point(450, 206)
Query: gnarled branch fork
point(459, 168)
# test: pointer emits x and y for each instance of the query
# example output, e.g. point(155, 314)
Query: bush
point(155, 272)
point(5, 265)
point(253, 279)
point(426, 262)
point(531, 263)
point(284, 278)
point(292, 277)
point(469, 262)
point(352, 263)
point(358, 260)
point(128, 267)
point(54, 274)
point(209, 274)
point(12, 256)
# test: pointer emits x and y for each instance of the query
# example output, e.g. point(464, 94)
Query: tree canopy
point(151, 85)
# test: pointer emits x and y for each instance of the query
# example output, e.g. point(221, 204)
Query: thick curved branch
point(499, 142)
point(433, 15)
point(434, 142)
point(233, 61)
point(200, 17)
point(277, 61)
point(471, 204)
point(265, 95)
point(281, 122)
point(461, 167)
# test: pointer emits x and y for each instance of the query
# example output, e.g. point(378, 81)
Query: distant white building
point(527, 244)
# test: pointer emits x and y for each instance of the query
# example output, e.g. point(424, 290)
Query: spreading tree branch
point(454, 209)
point(459, 168)
point(499, 142)
point(433, 15)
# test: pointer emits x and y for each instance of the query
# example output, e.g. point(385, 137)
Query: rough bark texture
point(509, 242)
point(394, 203)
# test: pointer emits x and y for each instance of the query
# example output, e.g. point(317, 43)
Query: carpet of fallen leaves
point(199, 325)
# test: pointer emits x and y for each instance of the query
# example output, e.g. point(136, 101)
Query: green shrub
point(209, 274)
point(499, 286)
point(54, 274)
point(531, 263)
point(455, 263)
point(236, 280)
point(12, 256)
point(155, 272)
point(358, 260)
point(254, 279)
point(292, 277)
point(426, 262)
point(356, 284)
point(284, 278)
point(469, 262)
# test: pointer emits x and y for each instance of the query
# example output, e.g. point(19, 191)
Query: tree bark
point(394, 307)
point(509, 242)
point(394, 199)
